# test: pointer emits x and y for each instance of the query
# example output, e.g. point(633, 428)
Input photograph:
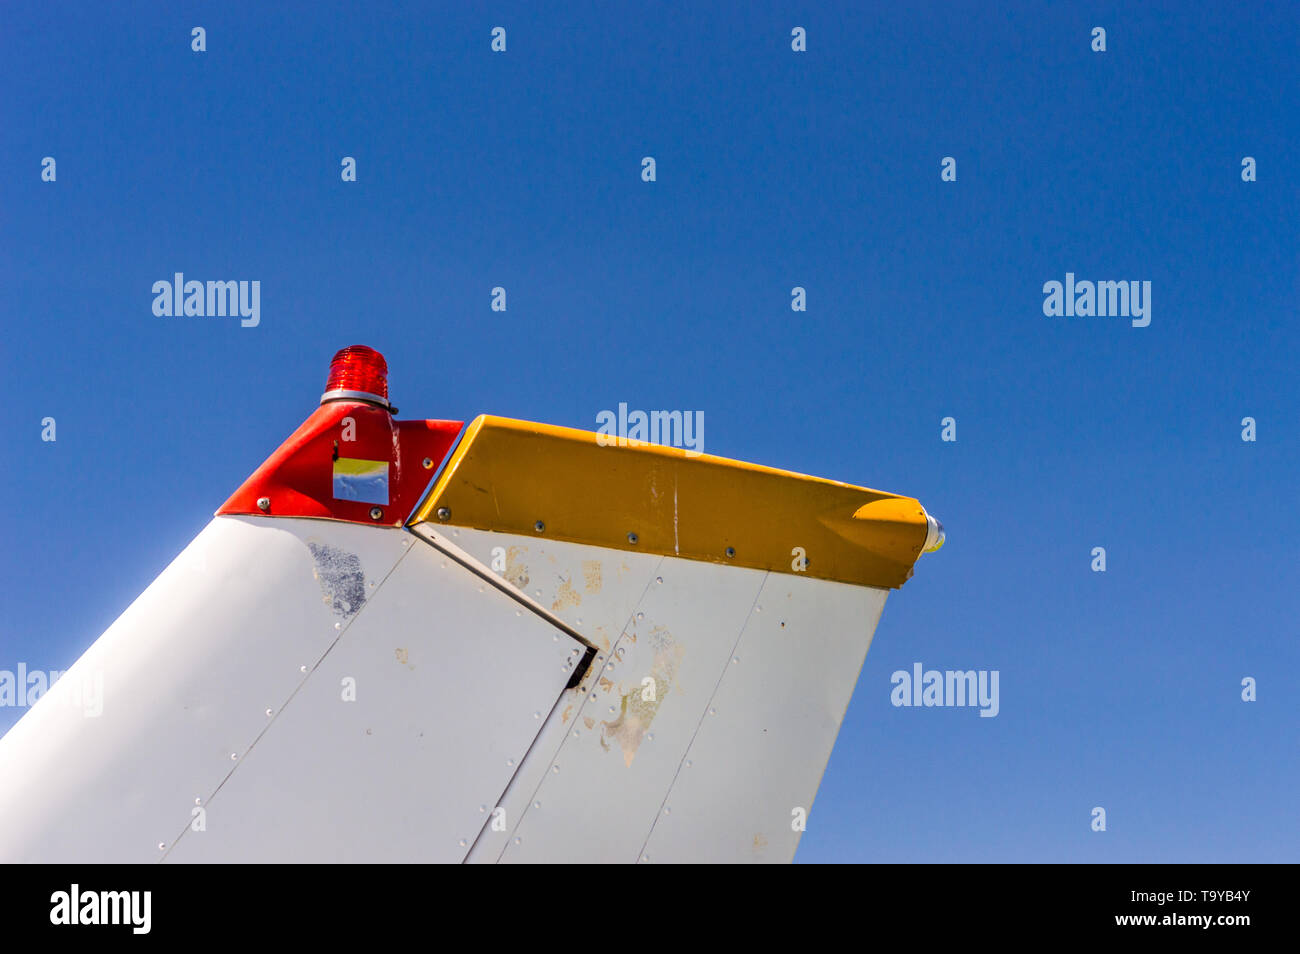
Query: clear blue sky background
point(775, 169)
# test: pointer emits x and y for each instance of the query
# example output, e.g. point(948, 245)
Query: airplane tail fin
point(570, 649)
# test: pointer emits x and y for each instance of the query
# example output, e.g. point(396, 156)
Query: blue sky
point(774, 169)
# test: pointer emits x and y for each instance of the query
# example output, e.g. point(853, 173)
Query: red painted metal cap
point(357, 373)
point(350, 460)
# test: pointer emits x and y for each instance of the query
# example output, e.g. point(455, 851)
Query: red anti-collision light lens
point(357, 372)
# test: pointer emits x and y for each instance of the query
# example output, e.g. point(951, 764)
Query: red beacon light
point(350, 460)
point(358, 373)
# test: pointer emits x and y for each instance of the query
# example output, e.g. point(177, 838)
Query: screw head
point(632, 538)
point(264, 504)
point(539, 527)
point(731, 551)
point(376, 513)
point(428, 463)
point(444, 513)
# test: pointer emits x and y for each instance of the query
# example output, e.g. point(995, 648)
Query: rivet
point(444, 513)
point(462, 841)
point(713, 711)
point(510, 762)
point(264, 504)
point(731, 552)
point(640, 615)
point(428, 462)
point(659, 579)
point(537, 804)
point(162, 846)
point(539, 527)
point(376, 513)
point(270, 712)
point(234, 756)
point(631, 538)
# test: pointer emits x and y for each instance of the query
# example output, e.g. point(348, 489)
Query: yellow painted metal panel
point(513, 476)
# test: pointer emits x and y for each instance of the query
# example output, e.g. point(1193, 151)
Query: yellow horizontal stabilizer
point(581, 487)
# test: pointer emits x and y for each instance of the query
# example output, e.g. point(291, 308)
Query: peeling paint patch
point(565, 597)
point(637, 712)
point(568, 711)
point(342, 581)
point(402, 656)
point(591, 579)
point(588, 721)
point(759, 842)
point(516, 570)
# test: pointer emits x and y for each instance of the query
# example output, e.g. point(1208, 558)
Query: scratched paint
point(516, 570)
point(565, 597)
point(591, 576)
point(342, 581)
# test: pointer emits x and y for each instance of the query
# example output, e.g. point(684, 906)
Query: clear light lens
point(934, 535)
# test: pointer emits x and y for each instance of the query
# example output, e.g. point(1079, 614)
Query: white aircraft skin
point(311, 690)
